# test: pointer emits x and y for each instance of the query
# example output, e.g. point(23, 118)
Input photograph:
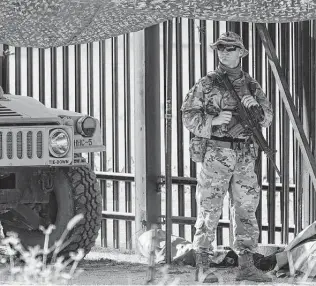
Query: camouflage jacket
point(209, 96)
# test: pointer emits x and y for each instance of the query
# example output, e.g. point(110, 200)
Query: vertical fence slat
point(311, 112)
point(168, 144)
point(216, 34)
point(233, 27)
point(115, 137)
point(17, 70)
point(305, 112)
point(293, 146)
point(165, 57)
point(103, 157)
point(313, 105)
point(271, 89)
point(78, 78)
point(5, 66)
point(90, 99)
point(29, 75)
point(191, 33)
point(53, 63)
point(90, 90)
point(41, 70)
point(296, 46)
point(165, 47)
point(299, 90)
point(284, 44)
point(257, 72)
point(298, 101)
point(245, 36)
point(179, 94)
point(215, 37)
point(203, 48)
point(127, 133)
point(66, 78)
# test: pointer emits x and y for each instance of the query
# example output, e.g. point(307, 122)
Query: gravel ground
point(111, 267)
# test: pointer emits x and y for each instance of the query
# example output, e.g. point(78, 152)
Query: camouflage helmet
point(230, 38)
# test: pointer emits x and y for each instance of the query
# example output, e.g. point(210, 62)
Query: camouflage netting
point(46, 23)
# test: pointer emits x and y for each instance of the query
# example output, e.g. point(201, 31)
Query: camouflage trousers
point(223, 168)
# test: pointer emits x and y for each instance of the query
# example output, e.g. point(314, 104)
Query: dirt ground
point(111, 267)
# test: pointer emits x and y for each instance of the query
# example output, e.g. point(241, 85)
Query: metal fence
point(98, 79)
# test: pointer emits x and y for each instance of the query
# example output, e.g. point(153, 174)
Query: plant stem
point(45, 252)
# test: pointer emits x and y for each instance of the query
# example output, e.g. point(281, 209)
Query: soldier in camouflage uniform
point(208, 112)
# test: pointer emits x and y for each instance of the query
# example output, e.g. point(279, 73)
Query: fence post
point(147, 128)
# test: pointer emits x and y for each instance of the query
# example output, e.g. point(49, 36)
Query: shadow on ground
point(111, 267)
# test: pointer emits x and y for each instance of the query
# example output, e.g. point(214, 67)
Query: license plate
point(59, 161)
point(82, 142)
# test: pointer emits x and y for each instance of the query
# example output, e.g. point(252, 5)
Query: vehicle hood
point(17, 108)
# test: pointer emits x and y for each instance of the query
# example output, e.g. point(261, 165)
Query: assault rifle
point(247, 121)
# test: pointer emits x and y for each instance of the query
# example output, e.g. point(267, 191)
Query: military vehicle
point(44, 179)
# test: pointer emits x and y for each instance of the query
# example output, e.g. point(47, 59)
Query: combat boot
point(248, 271)
point(202, 272)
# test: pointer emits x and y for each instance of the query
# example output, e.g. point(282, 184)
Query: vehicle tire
point(76, 191)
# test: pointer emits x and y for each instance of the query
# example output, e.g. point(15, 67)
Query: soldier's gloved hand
point(248, 101)
point(223, 117)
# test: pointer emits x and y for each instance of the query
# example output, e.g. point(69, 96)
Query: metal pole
point(168, 145)
point(147, 128)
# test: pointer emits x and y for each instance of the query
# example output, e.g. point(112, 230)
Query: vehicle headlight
point(86, 126)
point(59, 143)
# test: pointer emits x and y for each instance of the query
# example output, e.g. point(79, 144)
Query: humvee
point(44, 179)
